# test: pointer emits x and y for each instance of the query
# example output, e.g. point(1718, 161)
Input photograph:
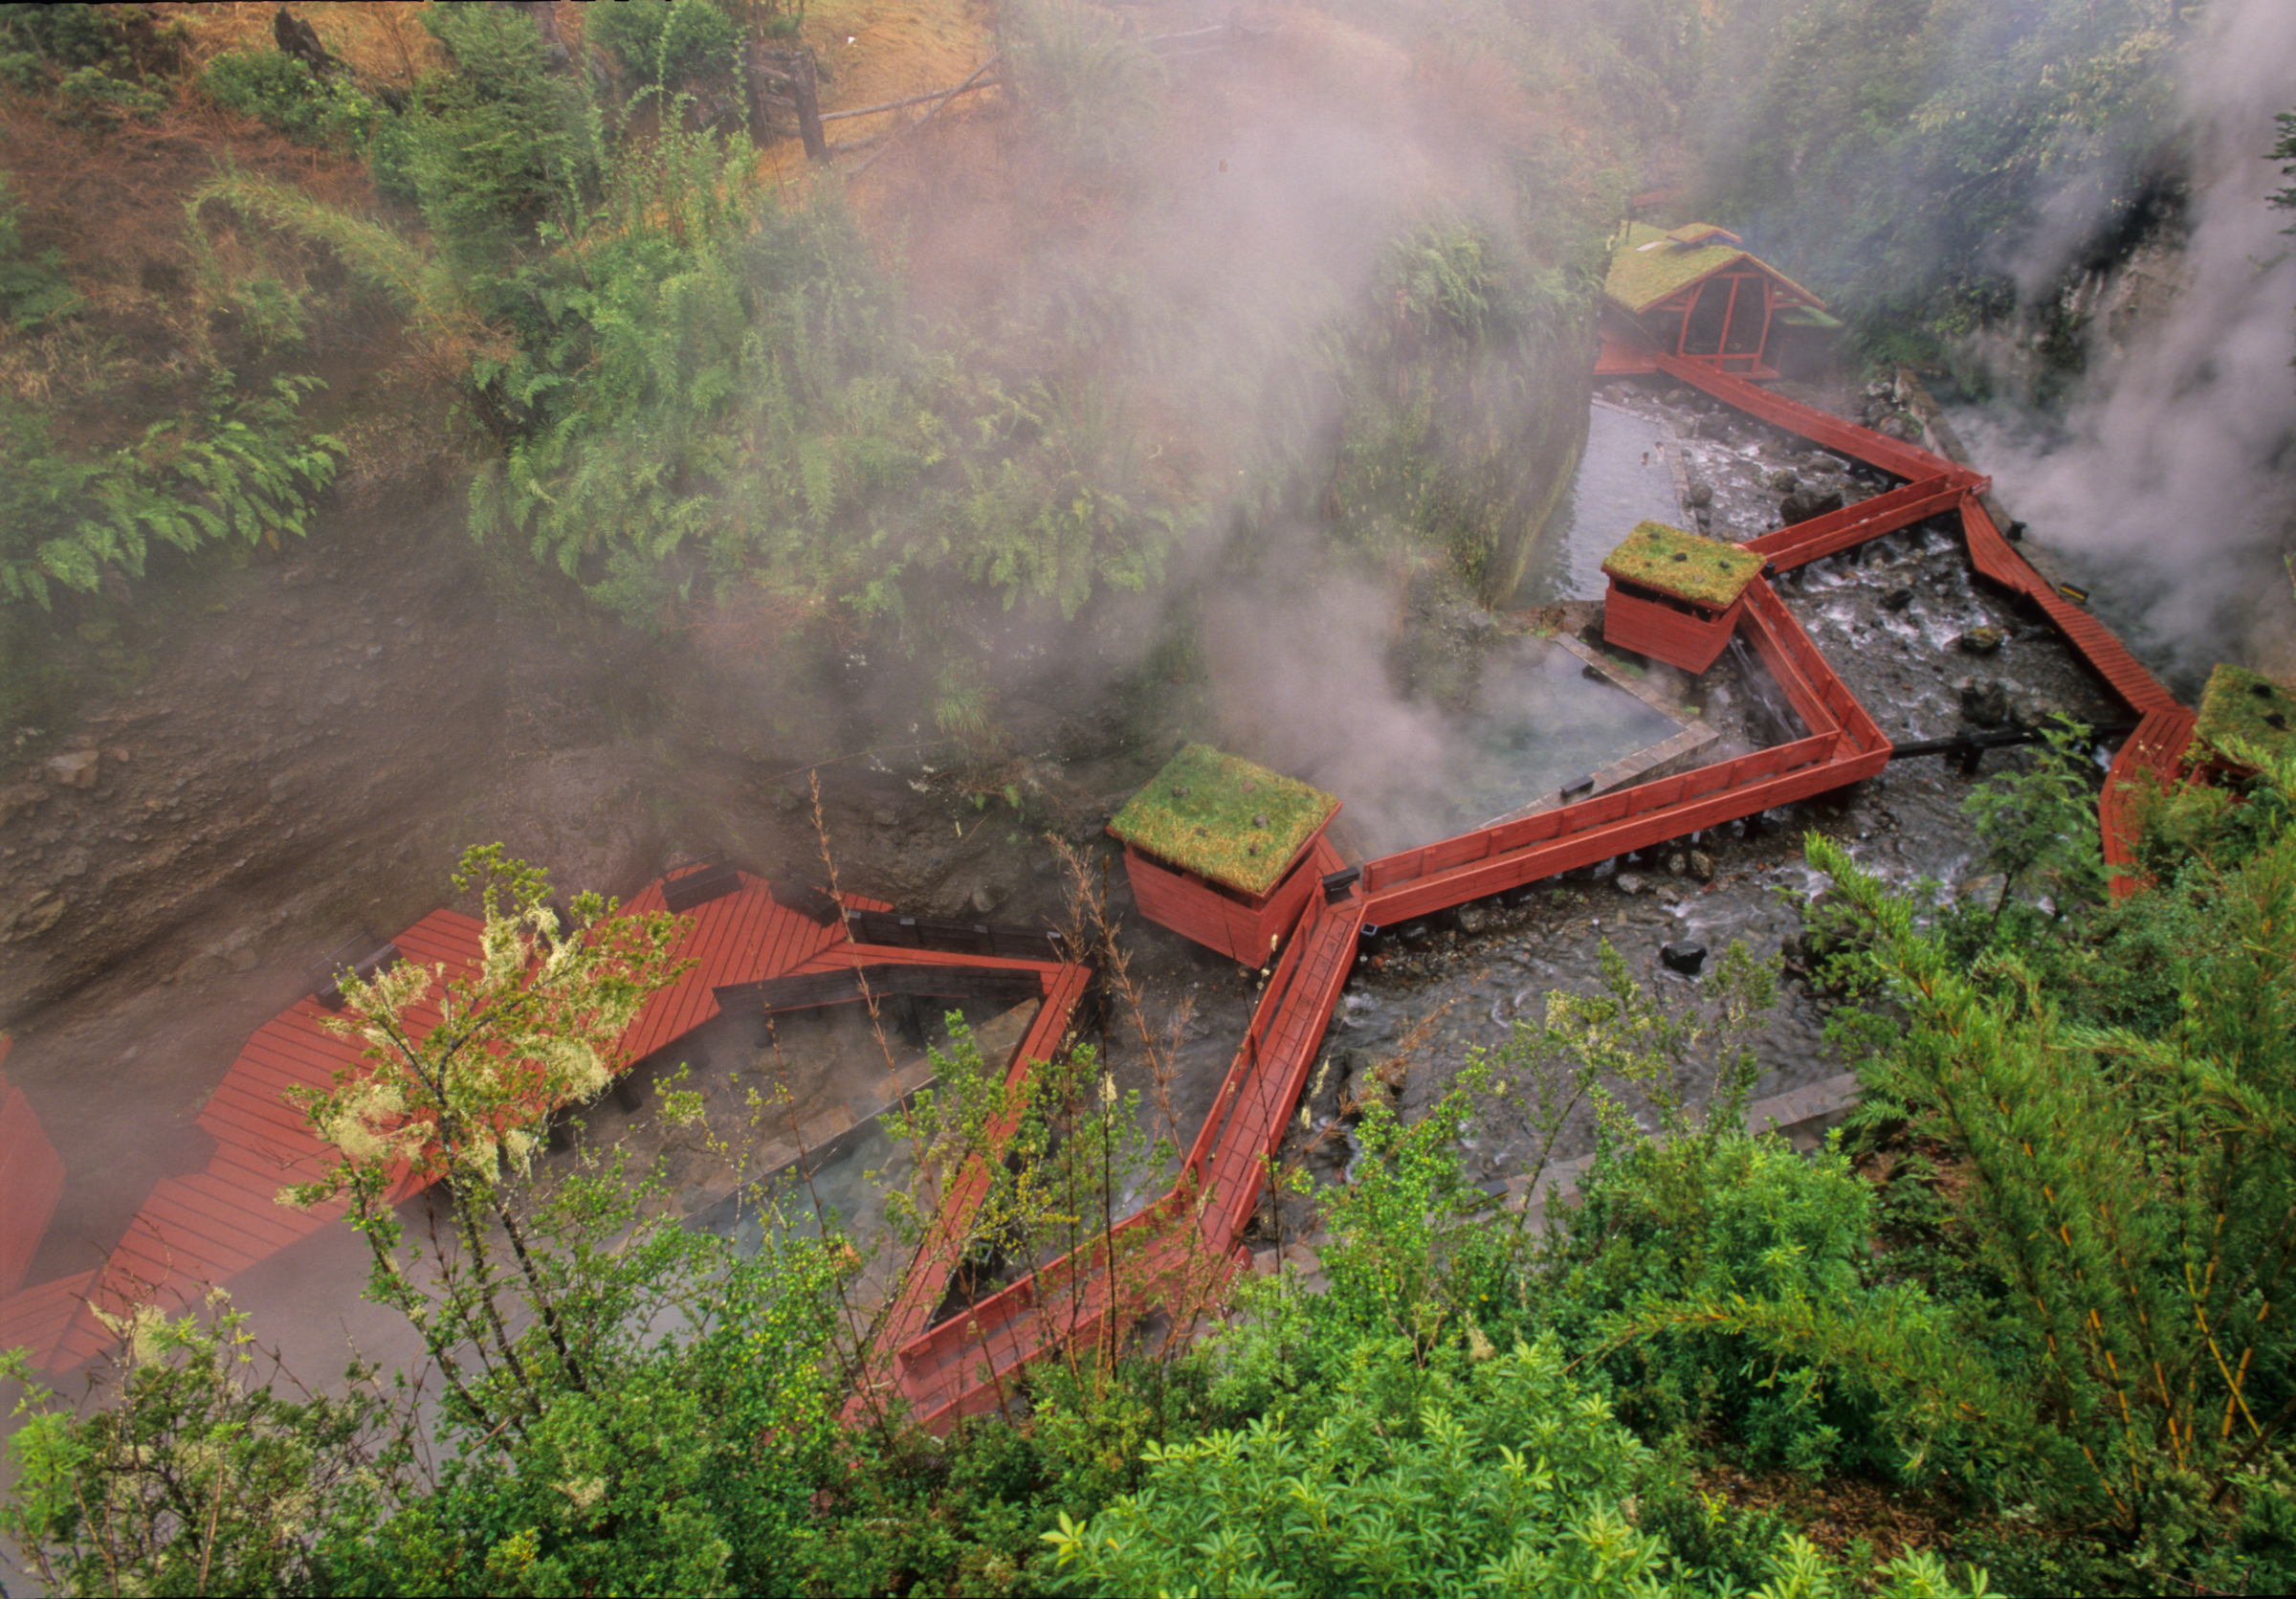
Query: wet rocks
point(1472, 918)
point(1685, 957)
point(1983, 702)
point(1803, 505)
point(1982, 641)
point(1702, 866)
point(1784, 480)
point(1896, 600)
point(1700, 494)
point(1633, 883)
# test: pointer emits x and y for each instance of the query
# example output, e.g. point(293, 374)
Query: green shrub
point(1746, 1220)
point(70, 36)
point(244, 470)
point(34, 290)
point(89, 96)
point(281, 92)
point(668, 44)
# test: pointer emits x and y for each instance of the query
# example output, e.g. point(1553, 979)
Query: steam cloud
point(2172, 472)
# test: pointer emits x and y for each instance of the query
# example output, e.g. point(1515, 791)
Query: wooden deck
point(31, 1179)
point(202, 1230)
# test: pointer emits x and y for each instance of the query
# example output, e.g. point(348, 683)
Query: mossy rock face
point(1704, 571)
point(1223, 818)
point(2242, 704)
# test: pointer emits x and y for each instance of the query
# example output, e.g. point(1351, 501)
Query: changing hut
point(1222, 851)
point(1675, 596)
point(1694, 293)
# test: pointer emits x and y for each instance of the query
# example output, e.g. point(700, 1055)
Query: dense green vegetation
point(692, 396)
point(2032, 1289)
point(691, 393)
point(1912, 158)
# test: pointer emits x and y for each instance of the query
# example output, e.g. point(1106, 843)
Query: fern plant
point(244, 471)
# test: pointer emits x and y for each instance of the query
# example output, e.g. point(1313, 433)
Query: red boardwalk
point(202, 1230)
point(31, 1178)
point(1178, 1249)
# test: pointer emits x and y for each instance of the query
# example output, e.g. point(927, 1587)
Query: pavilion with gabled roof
point(1696, 292)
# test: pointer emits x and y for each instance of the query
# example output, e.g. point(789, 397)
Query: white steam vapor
point(2174, 470)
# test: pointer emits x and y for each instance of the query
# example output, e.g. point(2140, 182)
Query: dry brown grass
point(387, 43)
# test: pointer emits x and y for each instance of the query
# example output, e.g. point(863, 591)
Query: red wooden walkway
point(1180, 1247)
point(201, 1230)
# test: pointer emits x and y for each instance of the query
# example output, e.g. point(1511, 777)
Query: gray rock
point(1897, 599)
point(1985, 704)
point(1712, 426)
point(1805, 504)
point(2036, 712)
point(885, 816)
point(1784, 480)
point(1473, 919)
point(986, 898)
point(1677, 863)
point(1686, 958)
point(1702, 866)
point(1702, 493)
point(1633, 883)
point(75, 769)
point(1982, 641)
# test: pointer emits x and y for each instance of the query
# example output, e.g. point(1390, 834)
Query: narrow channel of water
point(1623, 479)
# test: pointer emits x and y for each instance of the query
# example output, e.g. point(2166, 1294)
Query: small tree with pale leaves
point(457, 1074)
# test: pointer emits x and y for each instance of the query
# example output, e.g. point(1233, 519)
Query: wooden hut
point(1675, 596)
point(1218, 849)
point(1694, 293)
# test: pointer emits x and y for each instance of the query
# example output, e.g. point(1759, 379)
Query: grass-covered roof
point(1223, 818)
point(2242, 704)
point(1652, 264)
point(1704, 571)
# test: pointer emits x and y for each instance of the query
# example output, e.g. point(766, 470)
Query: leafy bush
point(668, 44)
point(89, 96)
point(196, 1477)
point(1741, 1219)
point(244, 470)
point(69, 34)
point(283, 92)
point(34, 290)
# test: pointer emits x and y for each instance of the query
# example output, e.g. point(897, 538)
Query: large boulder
point(1803, 505)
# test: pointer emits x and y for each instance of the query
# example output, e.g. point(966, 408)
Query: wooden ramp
point(1171, 1253)
point(31, 1179)
point(202, 1230)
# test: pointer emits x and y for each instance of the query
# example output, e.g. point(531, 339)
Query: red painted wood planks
point(1805, 542)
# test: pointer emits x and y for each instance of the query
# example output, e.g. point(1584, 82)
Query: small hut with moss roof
point(1220, 850)
point(1696, 294)
point(1675, 596)
point(2242, 705)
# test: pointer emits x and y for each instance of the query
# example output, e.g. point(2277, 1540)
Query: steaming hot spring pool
point(1541, 718)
